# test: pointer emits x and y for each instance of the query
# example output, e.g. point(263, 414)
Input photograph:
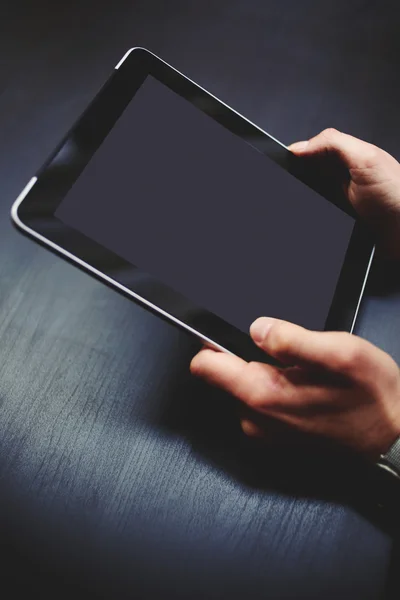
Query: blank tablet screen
point(181, 197)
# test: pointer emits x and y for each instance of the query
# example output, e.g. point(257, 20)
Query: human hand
point(334, 385)
point(370, 178)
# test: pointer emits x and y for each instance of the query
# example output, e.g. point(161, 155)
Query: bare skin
point(333, 385)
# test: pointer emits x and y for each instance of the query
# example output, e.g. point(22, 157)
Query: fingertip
point(299, 147)
point(200, 361)
point(251, 429)
point(280, 339)
point(218, 368)
point(260, 329)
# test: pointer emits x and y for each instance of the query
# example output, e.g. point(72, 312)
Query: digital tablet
point(170, 196)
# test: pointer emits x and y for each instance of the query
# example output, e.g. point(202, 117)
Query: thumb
point(294, 345)
point(352, 152)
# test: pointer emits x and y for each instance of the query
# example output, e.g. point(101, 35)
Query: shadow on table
point(299, 466)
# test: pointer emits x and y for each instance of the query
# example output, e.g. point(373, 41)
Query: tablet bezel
point(33, 211)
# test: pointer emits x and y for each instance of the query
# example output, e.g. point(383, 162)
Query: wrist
point(390, 461)
point(389, 458)
point(384, 430)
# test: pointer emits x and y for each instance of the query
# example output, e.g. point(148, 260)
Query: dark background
point(120, 474)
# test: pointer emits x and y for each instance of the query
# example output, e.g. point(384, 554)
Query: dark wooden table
point(119, 474)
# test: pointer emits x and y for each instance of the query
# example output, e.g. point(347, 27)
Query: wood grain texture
point(121, 476)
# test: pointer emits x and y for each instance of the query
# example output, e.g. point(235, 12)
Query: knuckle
point(256, 396)
point(330, 133)
point(350, 356)
point(373, 156)
point(394, 368)
point(266, 391)
point(253, 368)
point(256, 401)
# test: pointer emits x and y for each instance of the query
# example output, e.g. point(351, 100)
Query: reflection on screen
point(184, 199)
